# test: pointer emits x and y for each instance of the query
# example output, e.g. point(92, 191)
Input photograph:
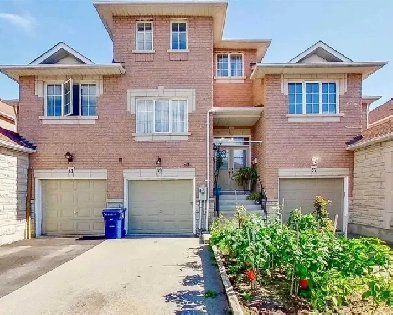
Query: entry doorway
point(236, 154)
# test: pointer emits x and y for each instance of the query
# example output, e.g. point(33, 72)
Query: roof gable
point(61, 53)
point(320, 52)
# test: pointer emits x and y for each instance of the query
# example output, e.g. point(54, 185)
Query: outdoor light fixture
point(158, 162)
point(314, 164)
point(69, 157)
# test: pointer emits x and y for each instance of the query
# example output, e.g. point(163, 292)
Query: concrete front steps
point(228, 203)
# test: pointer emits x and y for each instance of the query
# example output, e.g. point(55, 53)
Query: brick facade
point(13, 188)
point(235, 94)
point(102, 144)
point(293, 144)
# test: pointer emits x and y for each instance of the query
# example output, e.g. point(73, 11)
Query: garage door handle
point(159, 211)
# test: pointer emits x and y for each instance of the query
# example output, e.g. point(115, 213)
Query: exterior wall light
point(69, 157)
point(158, 162)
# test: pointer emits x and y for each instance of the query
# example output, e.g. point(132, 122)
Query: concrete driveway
point(128, 276)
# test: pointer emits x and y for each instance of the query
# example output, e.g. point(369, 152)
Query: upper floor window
point(161, 116)
point(230, 65)
point(69, 99)
point(312, 98)
point(144, 36)
point(179, 36)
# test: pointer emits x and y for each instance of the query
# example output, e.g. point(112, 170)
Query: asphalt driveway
point(128, 276)
point(25, 261)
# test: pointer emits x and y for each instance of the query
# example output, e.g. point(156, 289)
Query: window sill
point(143, 51)
point(68, 120)
point(178, 50)
point(230, 79)
point(161, 136)
point(314, 117)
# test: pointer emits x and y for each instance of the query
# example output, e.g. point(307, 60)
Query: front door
point(234, 159)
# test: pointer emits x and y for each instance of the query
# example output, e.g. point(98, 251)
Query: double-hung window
point(144, 36)
point(161, 116)
point(229, 65)
point(179, 36)
point(70, 99)
point(312, 98)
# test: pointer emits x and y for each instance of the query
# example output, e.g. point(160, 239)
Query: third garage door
point(160, 206)
point(301, 192)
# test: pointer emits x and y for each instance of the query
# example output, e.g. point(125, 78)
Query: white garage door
point(160, 206)
point(301, 192)
point(73, 206)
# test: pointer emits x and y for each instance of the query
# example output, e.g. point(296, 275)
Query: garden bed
point(302, 267)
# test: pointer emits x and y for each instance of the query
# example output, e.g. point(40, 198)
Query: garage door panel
point(301, 193)
point(160, 206)
point(73, 206)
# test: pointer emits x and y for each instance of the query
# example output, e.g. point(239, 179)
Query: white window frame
point(136, 36)
point(229, 64)
point(320, 82)
point(61, 83)
point(170, 37)
point(80, 96)
point(154, 114)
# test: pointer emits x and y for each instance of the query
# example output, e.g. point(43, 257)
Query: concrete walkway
point(128, 276)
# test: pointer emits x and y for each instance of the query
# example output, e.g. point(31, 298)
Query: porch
point(237, 145)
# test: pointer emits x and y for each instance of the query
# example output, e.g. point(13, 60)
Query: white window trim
point(154, 116)
point(304, 82)
point(136, 38)
point(170, 37)
point(229, 77)
point(67, 119)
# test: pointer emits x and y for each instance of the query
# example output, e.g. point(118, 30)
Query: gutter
point(375, 140)
point(15, 147)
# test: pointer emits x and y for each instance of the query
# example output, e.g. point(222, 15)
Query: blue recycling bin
point(114, 222)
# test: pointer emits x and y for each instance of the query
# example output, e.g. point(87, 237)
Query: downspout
point(368, 109)
point(208, 148)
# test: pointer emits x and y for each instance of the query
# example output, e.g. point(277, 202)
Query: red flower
point(251, 275)
point(303, 283)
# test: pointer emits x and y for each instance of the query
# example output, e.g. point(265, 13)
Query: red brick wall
point(101, 145)
point(235, 94)
point(292, 145)
point(381, 112)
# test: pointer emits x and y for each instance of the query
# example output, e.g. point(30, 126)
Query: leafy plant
point(254, 195)
point(211, 294)
point(322, 215)
point(246, 175)
point(326, 269)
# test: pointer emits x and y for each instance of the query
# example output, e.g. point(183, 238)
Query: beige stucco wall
point(13, 188)
point(371, 213)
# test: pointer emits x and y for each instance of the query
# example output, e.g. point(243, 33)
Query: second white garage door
point(160, 206)
point(73, 206)
point(301, 192)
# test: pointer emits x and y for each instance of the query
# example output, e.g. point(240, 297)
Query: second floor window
point(161, 116)
point(179, 36)
point(229, 65)
point(312, 98)
point(69, 99)
point(144, 36)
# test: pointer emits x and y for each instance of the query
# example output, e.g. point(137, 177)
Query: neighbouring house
point(381, 112)
point(139, 132)
point(8, 116)
point(14, 164)
point(373, 176)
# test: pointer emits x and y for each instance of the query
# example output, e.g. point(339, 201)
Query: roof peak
point(321, 48)
point(56, 49)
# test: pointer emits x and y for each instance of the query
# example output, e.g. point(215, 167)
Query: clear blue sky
point(360, 29)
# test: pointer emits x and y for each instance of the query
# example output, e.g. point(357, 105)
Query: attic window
point(70, 99)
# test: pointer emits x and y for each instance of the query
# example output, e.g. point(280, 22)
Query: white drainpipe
point(208, 148)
